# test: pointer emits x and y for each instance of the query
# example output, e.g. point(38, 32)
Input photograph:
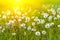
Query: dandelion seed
point(36, 19)
point(33, 23)
point(27, 19)
point(22, 25)
point(47, 25)
point(45, 15)
point(42, 21)
point(59, 13)
point(29, 28)
point(50, 18)
point(11, 21)
point(44, 32)
point(58, 16)
point(51, 24)
point(7, 24)
point(53, 11)
point(58, 9)
point(55, 18)
point(37, 33)
point(3, 29)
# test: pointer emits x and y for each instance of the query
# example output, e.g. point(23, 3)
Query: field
point(38, 20)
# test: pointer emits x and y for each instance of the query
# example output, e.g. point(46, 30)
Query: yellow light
point(21, 3)
point(17, 0)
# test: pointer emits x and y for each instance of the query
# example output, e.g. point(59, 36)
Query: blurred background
point(35, 3)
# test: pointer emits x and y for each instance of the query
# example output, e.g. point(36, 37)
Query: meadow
point(30, 23)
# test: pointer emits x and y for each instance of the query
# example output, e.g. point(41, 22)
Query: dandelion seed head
point(11, 21)
point(27, 19)
point(58, 9)
point(36, 19)
point(3, 29)
point(37, 33)
point(42, 21)
point(7, 24)
point(55, 18)
point(45, 15)
point(53, 11)
point(47, 25)
point(43, 32)
point(29, 28)
point(33, 23)
point(22, 25)
point(58, 16)
point(52, 23)
point(50, 18)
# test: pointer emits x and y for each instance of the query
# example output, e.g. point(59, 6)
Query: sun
point(21, 3)
point(17, 0)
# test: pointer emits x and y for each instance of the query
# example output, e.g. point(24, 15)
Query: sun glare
point(21, 3)
point(17, 0)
